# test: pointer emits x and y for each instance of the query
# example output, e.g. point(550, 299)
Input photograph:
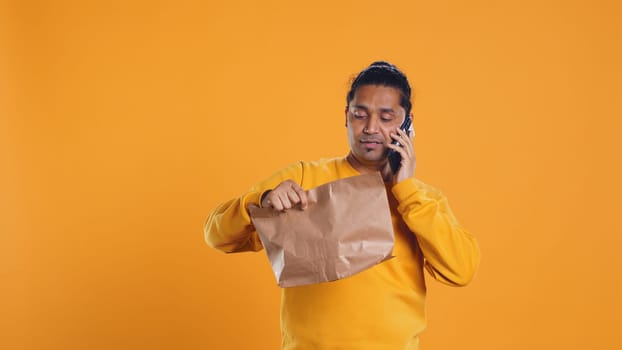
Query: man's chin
point(373, 159)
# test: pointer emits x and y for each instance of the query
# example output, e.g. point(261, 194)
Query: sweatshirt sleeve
point(228, 227)
point(451, 253)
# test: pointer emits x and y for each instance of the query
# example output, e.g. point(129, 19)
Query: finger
point(298, 195)
point(275, 202)
point(293, 196)
point(402, 141)
point(400, 150)
point(405, 136)
point(396, 137)
point(407, 143)
point(407, 146)
point(303, 197)
point(285, 201)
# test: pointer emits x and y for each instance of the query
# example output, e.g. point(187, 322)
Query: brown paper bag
point(345, 229)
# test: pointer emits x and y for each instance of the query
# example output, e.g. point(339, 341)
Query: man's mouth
point(371, 143)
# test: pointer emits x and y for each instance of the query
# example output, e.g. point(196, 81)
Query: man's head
point(377, 103)
point(383, 74)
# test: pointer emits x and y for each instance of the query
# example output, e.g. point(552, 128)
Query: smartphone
point(395, 159)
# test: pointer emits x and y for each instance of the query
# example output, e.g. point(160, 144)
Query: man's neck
point(364, 168)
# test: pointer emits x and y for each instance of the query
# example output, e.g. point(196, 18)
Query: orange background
point(122, 124)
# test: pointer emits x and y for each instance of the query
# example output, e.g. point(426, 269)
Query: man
point(382, 307)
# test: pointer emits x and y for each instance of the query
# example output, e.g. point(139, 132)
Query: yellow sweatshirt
point(382, 307)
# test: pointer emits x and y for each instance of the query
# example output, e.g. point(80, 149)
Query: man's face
point(373, 114)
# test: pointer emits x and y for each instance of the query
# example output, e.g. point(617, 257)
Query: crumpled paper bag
point(345, 229)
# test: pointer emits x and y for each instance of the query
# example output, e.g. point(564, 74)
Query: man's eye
point(359, 116)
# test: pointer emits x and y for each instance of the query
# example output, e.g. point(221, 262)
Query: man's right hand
point(285, 196)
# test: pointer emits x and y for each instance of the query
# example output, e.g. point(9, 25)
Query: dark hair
point(384, 74)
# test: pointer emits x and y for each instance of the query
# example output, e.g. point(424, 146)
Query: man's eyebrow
point(382, 110)
point(387, 110)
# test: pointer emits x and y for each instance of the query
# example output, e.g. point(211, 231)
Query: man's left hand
point(407, 151)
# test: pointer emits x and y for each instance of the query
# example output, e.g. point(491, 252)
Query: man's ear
point(345, 113)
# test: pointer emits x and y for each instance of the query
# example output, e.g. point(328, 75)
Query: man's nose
point(372, 126)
